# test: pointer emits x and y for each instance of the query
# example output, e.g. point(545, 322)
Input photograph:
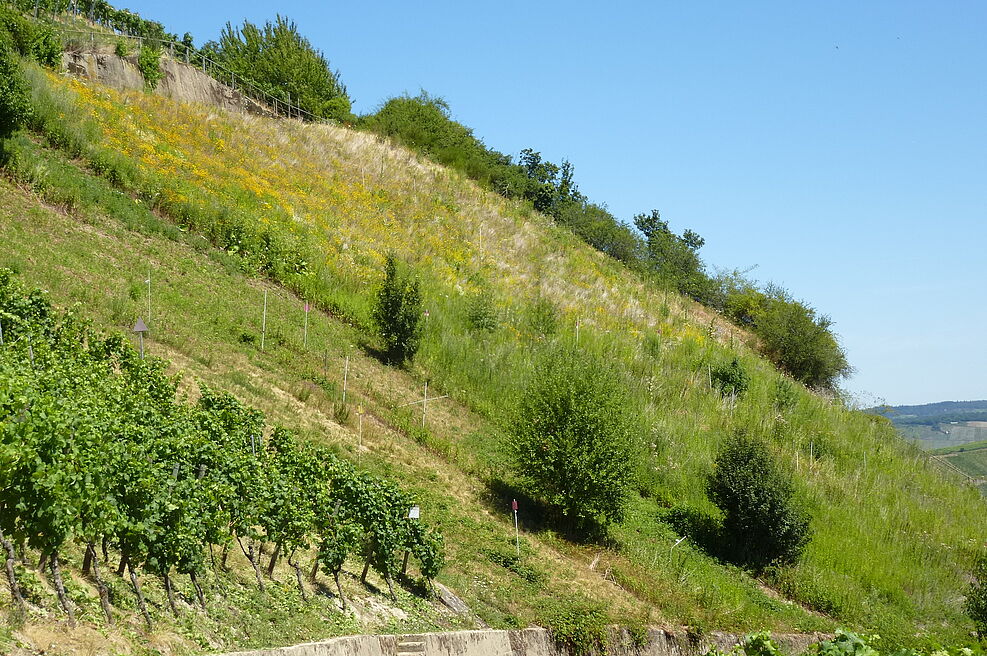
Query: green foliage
point(800, 342)
point(762, 522)
point(15, 103)
point(278, 59)
point(976, 597)
point(730, 379)
point(784, 395)
point(423, 123)
point(122, 48)
point(481, 315)
point(845, 643)
point(16, 31)
point(149, 64)
point(792, 335)
point(753, 644)
point(572, 439)
point(47, 48)
point(96, 444)
point(759, 644)
point(397, 313)
point(543, 317)
point(674, 259)
point(580, 626)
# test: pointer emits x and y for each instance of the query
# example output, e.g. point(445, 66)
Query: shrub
point(122, 48)
point(47, 48)
point(976, 598)
point(16, 31)
point(398, 314)
point(149, 64)
point(481, 315)
point(277, 58)
point(730, 379)
point(762, 523)
point(571, 439)
point(15, 97)
point(844, 643)
point(543, 317)
point(579, 626)
point(800, 342)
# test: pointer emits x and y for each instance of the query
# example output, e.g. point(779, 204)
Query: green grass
point(969, 446)
point(972, 462)
point(885, 556)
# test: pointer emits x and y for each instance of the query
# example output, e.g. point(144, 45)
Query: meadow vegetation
point(319, 209)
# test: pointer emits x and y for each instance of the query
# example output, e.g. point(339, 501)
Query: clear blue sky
point(839, 146)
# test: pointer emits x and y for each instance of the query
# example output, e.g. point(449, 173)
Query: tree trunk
point(105, 545)
point(298, 575)
point(366, 570)
point(15, 589)
point(104, 596)
point(140, 596)
point(124, 561)
point(315, 569)
point(42, 562)
point(226, 552)
point(249, 553)
point(198, 590)
point(212, 557)
point(274, 560)
point(87, 563)
point(171, 593)
point(390, 586)
point(404, 565)
point(339, 589)
point(63, 598)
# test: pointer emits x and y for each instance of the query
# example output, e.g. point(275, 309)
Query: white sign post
point(305, 330)
point(517, 534)
point(263, 323)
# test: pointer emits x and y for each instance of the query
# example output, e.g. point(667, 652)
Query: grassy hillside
point(220, 208)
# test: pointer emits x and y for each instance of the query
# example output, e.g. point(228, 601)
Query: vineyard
point(98, 448)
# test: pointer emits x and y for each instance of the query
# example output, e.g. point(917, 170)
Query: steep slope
point(316, 208)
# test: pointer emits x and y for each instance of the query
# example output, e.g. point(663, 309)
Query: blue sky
point(841, 147)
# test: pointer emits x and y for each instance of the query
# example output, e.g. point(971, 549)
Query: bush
point(579, 626)
point(47, 48)
point(976, 598)
point(571, 439)
point(277, 58)
point(16, 31)
point(15, 97)
point(730, 379)
point(149, 64)
point(799, 341)
point(398, 314)
point(481, 315)
point(122, 48)
point(762, 523)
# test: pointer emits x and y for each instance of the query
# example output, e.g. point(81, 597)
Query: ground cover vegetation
point(98, 447)
point(318, 208)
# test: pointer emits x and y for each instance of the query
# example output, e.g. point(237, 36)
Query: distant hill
point(946, 424)
point(897, 413)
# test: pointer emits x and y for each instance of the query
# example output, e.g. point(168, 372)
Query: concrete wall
point(525, 642)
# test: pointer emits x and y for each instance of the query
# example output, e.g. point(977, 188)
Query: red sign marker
point(514, 505)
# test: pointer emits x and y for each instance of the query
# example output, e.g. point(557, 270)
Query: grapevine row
point(98, 447)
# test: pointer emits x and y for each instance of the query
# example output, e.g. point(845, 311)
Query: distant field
point(944, 436)
point(969, 446)
point(973, 463)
